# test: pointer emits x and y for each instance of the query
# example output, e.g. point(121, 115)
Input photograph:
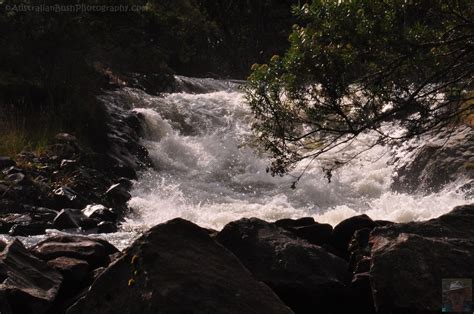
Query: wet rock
point(306, 228)
point(68, 219)
point(125, 171)
point(30, 229)
point(436, 164)
point(118, 194)
point(288, 223)
point(72, 269)
point(99, 212)
point(382, 223)
point(17, 178)
point(467, 189)
point(106, 227)
point(125, 183)
point(40, 213)
point(343, 232)
point(67, 163)
point(4, 186)
point(6, 162)
point(305, 276)
point(94, 251)
point(9, 220)
point(87, 223)
point(8, 206)
point(318, 234)
point(409, 261)
point(65, 137)
point(28, 221)
point(177, 268)
point(29, 285)
point(359, 250)
point(11, 170)
point(66, 197)
point(361, 294)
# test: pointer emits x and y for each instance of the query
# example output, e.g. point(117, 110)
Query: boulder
point(9, 220)
point(342, 233)
point(118, 194)
point(318, 234)
point(66, 197)
point(99, 212)
point(32, 221)
point(77, 276)
point(361, 299)
point(176, 267)
point(106, 227)
point(94, 251)
point(305, 276)
point(29, 229)
point(67, 219)
point(306, 228)
point(125, 183)
point(409, 261)
point(288, 223)
point(72, 269)
point(28, 285)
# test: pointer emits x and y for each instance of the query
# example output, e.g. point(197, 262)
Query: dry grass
point(20, 131)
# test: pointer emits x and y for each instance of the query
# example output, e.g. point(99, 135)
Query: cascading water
point(209, 170)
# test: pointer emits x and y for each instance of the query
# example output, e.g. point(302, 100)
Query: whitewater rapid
point(209, 169)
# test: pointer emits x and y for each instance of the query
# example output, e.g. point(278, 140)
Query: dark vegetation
point(54, 64)
point(346, 61)
point(355, 66)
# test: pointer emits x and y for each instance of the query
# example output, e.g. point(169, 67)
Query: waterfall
point(209, 169)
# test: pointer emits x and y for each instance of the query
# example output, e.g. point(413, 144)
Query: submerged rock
point(176, 267)
point(28, 285)
point(305, 276)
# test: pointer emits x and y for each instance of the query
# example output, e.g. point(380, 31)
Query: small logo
point(457, 295)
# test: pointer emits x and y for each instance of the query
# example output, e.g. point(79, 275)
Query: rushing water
point(209, 170)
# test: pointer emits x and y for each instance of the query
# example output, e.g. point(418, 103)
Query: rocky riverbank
point(251, 266)
point(67, 188)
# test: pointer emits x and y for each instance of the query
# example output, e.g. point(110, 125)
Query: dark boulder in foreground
point(409, 261)
point(176, 267)
point(305, 276)
point(343, 232)
point(28, 284)
point(306, 228)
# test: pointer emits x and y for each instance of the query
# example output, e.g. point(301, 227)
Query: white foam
point(208, 171)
